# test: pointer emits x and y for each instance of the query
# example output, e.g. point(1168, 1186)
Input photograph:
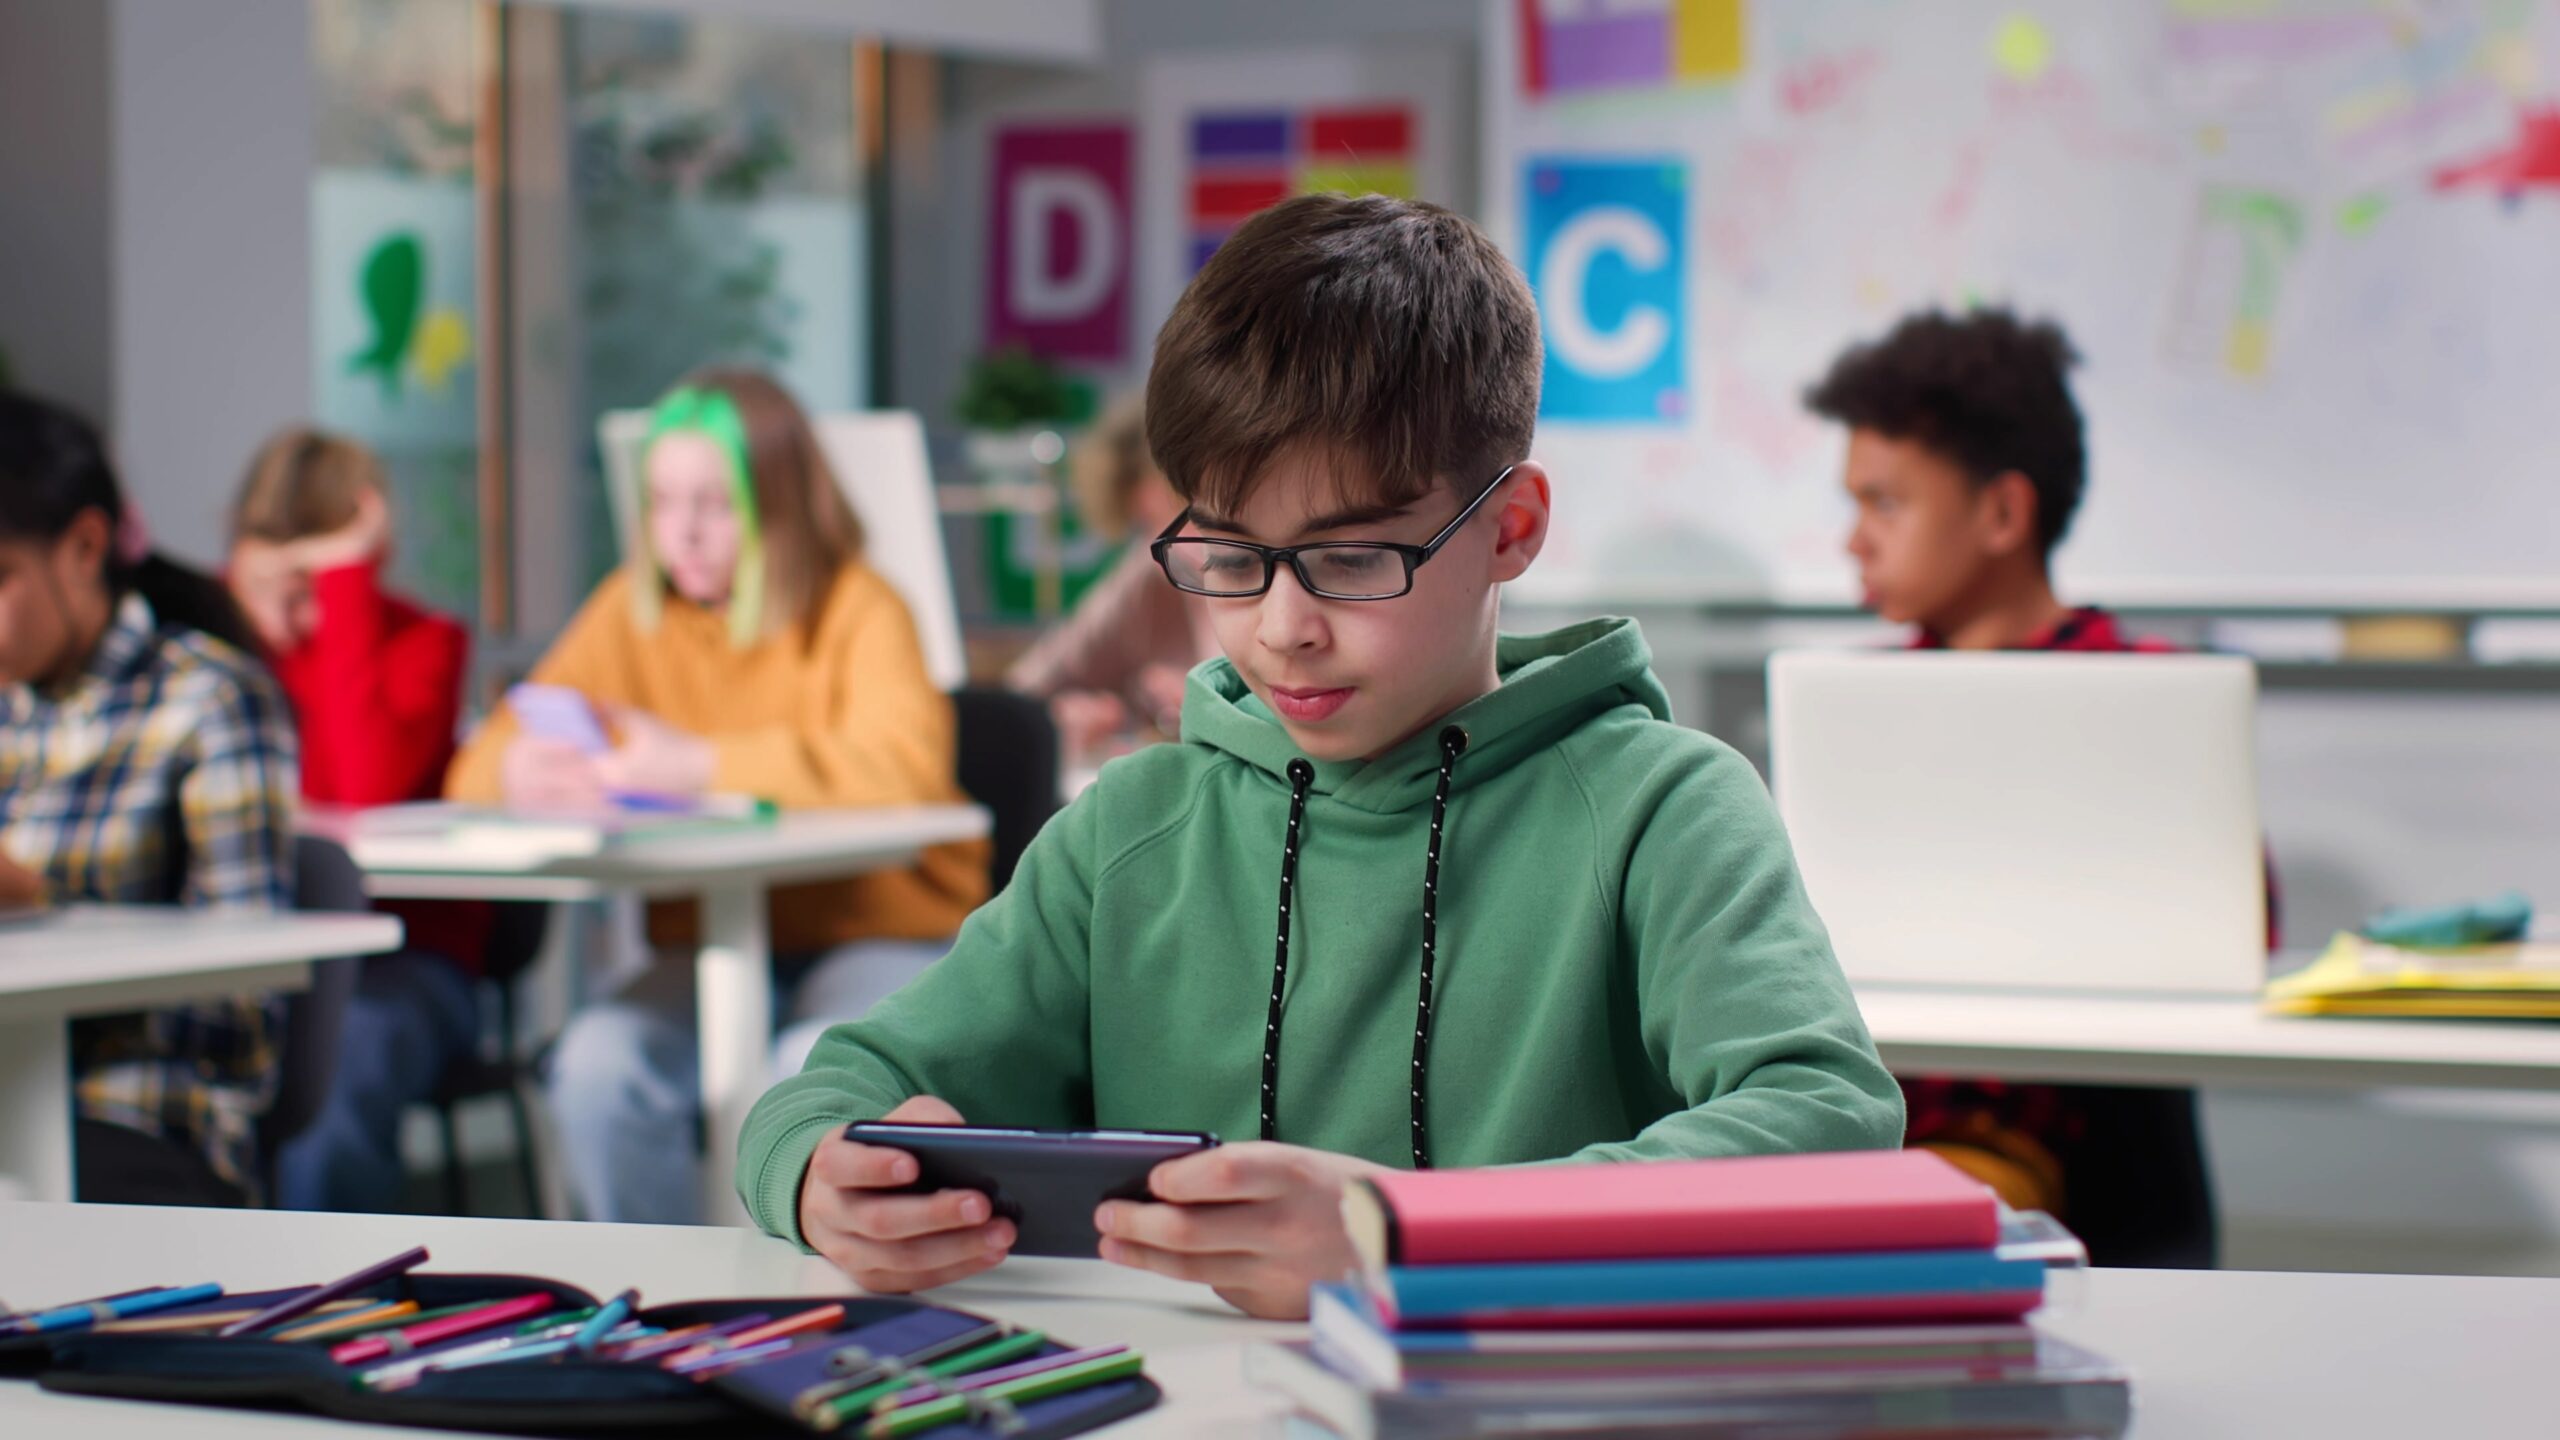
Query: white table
point(2213, 1355)
point(105, 960)
point(733, 872)
point(2152, 1040)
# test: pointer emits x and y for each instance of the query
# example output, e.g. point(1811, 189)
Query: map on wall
point(2306, 247)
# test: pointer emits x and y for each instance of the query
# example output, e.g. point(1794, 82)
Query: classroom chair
point(325, 877)
point(1008, 762)
point(516, 931)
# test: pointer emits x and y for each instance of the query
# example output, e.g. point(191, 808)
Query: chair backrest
point(879, 458)
point(1009, 764)
point(324, 878)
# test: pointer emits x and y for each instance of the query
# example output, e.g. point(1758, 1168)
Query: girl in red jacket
point(376, 686)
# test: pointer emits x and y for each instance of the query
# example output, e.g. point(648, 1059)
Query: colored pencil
point(915, 1419)
point(295, 1306)
point(410, 1337)
point(97, 1312)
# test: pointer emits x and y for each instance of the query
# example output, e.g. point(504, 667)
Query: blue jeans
point(625, 1080)
point(413, 1014)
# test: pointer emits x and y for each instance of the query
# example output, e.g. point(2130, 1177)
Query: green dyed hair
point(701, 410)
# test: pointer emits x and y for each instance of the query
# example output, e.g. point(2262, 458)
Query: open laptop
point(2066, 822)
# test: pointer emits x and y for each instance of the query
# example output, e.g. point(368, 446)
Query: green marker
point(984, 1357)
point(918, 1418)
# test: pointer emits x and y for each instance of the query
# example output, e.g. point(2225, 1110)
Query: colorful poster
point(1058, 258)
point(1608, 261)
point(1243, 161)
point(1583, 47)
point(1227, 134)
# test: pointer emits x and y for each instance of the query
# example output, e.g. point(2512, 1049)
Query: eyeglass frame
point(1274, 556)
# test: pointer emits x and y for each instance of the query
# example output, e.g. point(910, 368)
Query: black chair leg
point(526, 1174)
point(457, 1200)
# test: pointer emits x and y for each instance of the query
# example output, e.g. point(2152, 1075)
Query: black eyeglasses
point(1335, 569)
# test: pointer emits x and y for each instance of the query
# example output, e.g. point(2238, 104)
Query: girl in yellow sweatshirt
point(747, 650)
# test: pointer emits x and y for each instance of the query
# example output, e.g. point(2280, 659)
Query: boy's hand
point(1257, 1222)
point(891, 1244)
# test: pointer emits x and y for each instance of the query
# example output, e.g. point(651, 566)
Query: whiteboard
point(2321, 332)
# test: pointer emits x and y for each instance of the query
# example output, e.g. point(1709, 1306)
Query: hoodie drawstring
point(1453, 743)
point(1301, 775)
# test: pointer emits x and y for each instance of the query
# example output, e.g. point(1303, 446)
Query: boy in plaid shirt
point(143, 760)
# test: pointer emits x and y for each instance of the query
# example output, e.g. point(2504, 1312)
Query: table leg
point(35, 1106)
point(734, 1016)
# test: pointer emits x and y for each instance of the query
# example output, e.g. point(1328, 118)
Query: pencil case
point(557, 1397)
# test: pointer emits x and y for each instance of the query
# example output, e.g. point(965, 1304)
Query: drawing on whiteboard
point(1243, 162)
point(1588, 47)
point(1826, 83)
point(2423, 100)
point(2530, 161)
point(2230, 278)
point(2021, 49)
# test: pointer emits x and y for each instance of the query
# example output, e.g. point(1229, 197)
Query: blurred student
point(376, 684)
point(1117, 664)
point(1967, 459)
point(746, 650)
point(145, 759)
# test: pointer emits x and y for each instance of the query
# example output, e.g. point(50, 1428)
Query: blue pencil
point(612, 1314)
point(72, 1317)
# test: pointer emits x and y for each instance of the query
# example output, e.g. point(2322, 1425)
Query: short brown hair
point(303, 482)
point(809, 528)
point(1391, 335)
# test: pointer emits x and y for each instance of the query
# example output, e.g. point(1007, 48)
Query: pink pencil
point(374, 1347)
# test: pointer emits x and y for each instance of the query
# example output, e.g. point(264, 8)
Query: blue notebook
point(1755, 1289)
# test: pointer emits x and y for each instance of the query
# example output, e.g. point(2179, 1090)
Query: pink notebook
point(1865, 1200)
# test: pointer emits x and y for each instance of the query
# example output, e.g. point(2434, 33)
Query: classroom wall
point(938, 193)
point(211, 254)
point(55, 205)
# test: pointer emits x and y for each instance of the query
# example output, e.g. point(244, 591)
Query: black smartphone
point(1047, 1182)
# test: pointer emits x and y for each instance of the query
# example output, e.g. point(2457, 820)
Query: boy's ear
point(2009, 508)
point(1520, 520)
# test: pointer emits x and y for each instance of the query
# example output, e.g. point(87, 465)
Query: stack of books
point(1877, 1294)
point(2361, 976)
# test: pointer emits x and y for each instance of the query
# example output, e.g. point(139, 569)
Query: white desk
point(105, 960)
point(2213, 1355)
point(2147, 1040)
point(733, 873)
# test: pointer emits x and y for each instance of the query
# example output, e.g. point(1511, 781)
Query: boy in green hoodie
point(1520, 915)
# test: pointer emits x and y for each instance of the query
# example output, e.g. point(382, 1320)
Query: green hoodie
point(1627, 967)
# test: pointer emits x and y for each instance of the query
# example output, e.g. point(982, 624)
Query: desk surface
point(800, 845)
point(2213, 1354)
point(89, 948)
point(2138, 1039)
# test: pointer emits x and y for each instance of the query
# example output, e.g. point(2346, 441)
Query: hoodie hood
point(1551, 684)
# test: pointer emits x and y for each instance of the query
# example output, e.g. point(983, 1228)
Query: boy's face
point(1351, 679)
point(1925, 534)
